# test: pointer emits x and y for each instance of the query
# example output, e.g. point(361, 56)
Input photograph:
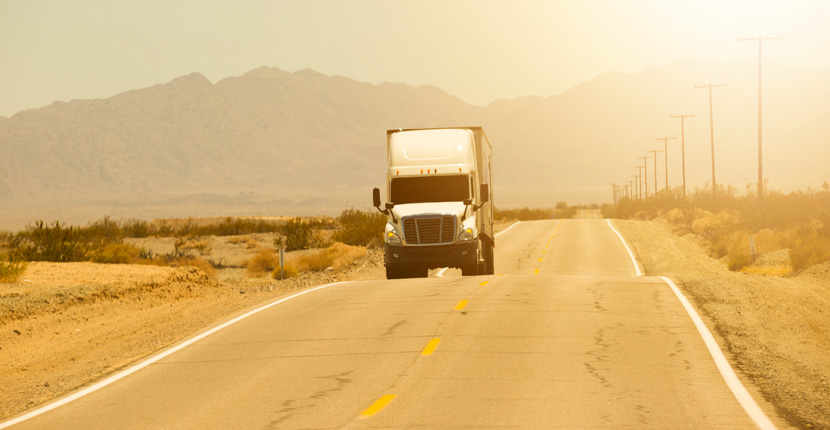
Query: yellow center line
point(537, 271)
point(483, 283)
point(461, 305)
point(377, 406)
point(431, 346)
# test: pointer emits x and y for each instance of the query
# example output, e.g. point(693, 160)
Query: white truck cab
point(439, 201)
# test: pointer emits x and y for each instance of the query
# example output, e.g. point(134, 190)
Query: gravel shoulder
point(774, 330)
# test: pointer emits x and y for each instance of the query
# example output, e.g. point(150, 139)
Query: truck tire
point(395, 273)
point(489, 260)
point(469, 270)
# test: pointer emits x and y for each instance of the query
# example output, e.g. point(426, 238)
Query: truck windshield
point(426, 189)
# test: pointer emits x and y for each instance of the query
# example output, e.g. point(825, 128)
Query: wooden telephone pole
point(666, 153)
point(683, 145)
point(654, 153)
point(645, 172)
point(712, 132)
point(760, 40)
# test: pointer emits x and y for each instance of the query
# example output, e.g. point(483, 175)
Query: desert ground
point(67, 325)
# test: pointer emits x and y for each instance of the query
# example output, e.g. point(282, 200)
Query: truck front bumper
point(432, 257)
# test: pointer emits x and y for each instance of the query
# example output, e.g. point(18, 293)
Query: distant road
point(565, 336)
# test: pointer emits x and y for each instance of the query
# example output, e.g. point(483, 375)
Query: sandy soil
point(775, 330)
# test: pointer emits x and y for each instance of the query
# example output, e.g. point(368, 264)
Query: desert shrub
point(523, 214)
point(236, 240)
point(184, 246)
point(43, 242)
point(264, 262)
point(288, 271)
point(136, 228)
point(117, 253)
point(10, 271)
point(738, 253)
point(359, 228)
point(196, 262)
point(298, 233)
point(336, 256)
point(812, 251)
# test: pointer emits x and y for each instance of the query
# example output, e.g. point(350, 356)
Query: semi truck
point(439, 202)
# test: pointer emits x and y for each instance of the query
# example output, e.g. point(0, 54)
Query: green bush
point(359, 228)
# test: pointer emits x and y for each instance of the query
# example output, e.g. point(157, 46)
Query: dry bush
point(356, 227)
point(336, 256)
point(812, 251)
point(117, 253)
point(738, 253)
point(198, 263)
point(288, 272)
point(10, 271)
point(236, 240)
point(264, 262)
point(184, 245)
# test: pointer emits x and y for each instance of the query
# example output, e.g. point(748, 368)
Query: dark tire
point(469, 270)
point(489, 259)
point(394, 273)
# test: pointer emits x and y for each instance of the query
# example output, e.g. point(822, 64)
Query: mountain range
point(275, 142)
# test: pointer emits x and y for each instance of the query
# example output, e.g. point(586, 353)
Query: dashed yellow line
point(377, 406)
point(537, 271)
point(461, 305)
point(483, 283)
point(431, 346)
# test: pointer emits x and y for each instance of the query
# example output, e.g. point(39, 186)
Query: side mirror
point(468, 202)
point(389, 206)
point(376, 198)
point(485, 193)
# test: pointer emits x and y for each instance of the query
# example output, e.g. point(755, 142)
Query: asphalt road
point(565, 336)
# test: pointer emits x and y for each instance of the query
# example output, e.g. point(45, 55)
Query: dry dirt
point(774, 330)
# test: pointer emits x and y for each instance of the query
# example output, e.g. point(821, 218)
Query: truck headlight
point(467, 235)
point(393, 239)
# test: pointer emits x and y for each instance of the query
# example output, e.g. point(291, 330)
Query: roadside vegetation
point(797, 223)
point(331, 242)
point(560, 211)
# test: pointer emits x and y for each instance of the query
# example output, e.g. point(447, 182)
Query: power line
point(760, 40)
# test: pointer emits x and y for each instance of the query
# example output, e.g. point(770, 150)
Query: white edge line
point(630, 254)
point(744, 398)
point(508, 228)
point(120, 375)
point(441, 272)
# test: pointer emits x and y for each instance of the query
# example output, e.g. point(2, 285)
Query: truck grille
point(429, 230)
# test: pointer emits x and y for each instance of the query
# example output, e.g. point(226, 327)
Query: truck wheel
point(489, 260)
point(469, 270)
point(421, 272)
point(394, 273)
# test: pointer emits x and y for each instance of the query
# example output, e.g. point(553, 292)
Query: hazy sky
point(477, 50)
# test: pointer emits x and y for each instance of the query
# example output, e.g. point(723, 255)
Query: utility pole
point(636, 184)
point(712, 132)
point(654, 153)
point(630, 190)
point(639, 182)
point(666, 153)
point(683, 145)
point(760, 40)
point(645, 172)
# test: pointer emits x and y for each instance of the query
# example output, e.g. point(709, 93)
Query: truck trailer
point(439, 201)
